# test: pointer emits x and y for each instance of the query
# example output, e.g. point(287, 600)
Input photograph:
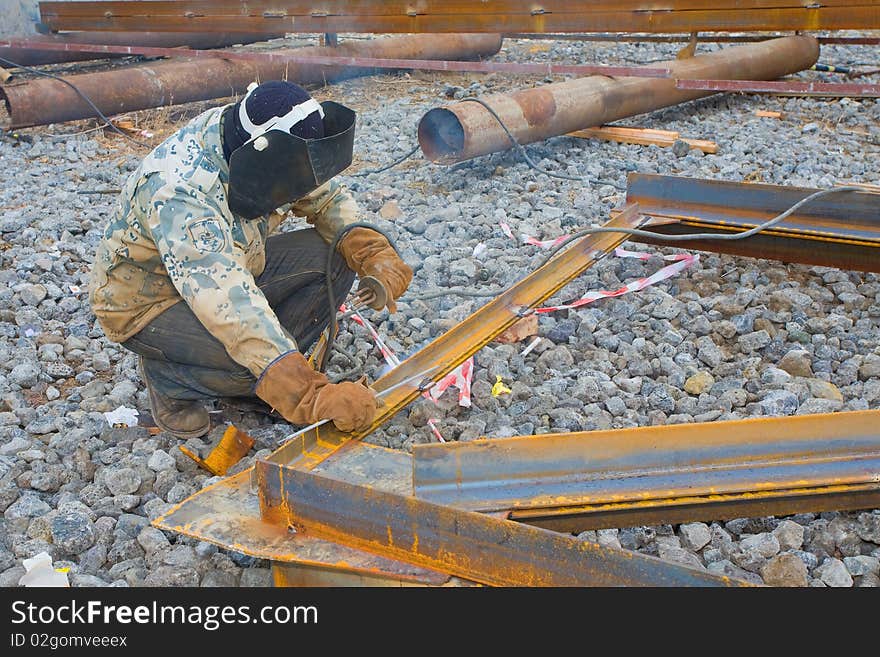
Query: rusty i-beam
point(468, 129)
point(43, 101)
point(664, 474)
point(464, 15)
point(838, 230)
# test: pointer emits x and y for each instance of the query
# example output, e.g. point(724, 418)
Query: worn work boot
point(181, 418)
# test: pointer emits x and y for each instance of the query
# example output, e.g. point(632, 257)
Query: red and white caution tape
point(680, 261)
point(534, 241)
point(384, 349)
point(461, 377)
point(435, 430)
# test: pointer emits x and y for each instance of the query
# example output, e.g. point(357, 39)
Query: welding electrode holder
point(379, 295)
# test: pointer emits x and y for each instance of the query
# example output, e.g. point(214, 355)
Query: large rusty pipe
point(195, 40)
point(43, 101)
point(467, 129)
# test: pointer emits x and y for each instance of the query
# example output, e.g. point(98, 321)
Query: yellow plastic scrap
point(499, 388)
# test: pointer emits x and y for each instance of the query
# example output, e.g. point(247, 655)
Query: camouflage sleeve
point(209, 271)
point(329, 209)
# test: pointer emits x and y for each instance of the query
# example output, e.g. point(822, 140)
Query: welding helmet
point(275, 167)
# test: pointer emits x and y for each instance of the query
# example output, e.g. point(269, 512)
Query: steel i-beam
point(664, 474)
point(384, 16)
point(839, 230)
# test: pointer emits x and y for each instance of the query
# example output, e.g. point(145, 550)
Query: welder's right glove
point(369, 253)
point(304, 396)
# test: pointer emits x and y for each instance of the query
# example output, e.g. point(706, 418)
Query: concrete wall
point(17, 17)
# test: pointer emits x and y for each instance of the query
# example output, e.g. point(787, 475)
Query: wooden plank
point(644, 137)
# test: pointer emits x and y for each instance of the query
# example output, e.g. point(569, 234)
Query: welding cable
point(399, 160)
point(522, 150)
point(331, 298)
point(85, 98)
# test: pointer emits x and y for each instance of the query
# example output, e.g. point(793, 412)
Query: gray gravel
point(730, 338)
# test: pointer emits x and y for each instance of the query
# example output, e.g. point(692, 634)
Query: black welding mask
point(275, 168)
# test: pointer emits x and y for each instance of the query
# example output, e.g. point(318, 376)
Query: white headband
point(296, 114)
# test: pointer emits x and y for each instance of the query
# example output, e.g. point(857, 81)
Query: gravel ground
point(729, 338)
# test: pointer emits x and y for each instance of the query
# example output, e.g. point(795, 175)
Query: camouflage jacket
point(173, 237)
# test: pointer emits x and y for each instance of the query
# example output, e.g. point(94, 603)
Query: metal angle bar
point(474, 546)
point(839, 230)
point(466, 338)
point(779, 461)
point(354, 62)
point(466, 16)
point(828, 89)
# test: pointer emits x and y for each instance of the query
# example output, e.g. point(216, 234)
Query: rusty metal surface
point(462, 341)
point(718, 37)
point(470, 545)
point(464, 15)
point(41, 49)
point(43, 101)
point(232, 448)
point(467, 129)
point(839, 230)
point(715, 507)
point(768, 466)
point(787, 87)
point(548, 68)
point(228, 514)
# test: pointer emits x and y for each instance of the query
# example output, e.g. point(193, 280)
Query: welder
point(190, 276)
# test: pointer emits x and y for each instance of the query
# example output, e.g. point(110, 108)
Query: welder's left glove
point(368, 253)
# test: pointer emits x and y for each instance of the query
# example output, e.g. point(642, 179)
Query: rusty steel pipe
point(43, 101)
point(34, 56)
point(467, 129)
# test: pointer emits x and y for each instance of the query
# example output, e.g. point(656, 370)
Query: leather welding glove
point(368, 253)
point(304, 396)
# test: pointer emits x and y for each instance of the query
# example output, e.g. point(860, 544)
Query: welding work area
point(440, 294)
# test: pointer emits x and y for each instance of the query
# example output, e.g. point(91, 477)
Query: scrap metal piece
point(232, 448)
point(384, 16)
point(471, 545)
point(462, 341)
point(838, 230)
point(468, 129)
point(668, 474)
point(44, 100)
